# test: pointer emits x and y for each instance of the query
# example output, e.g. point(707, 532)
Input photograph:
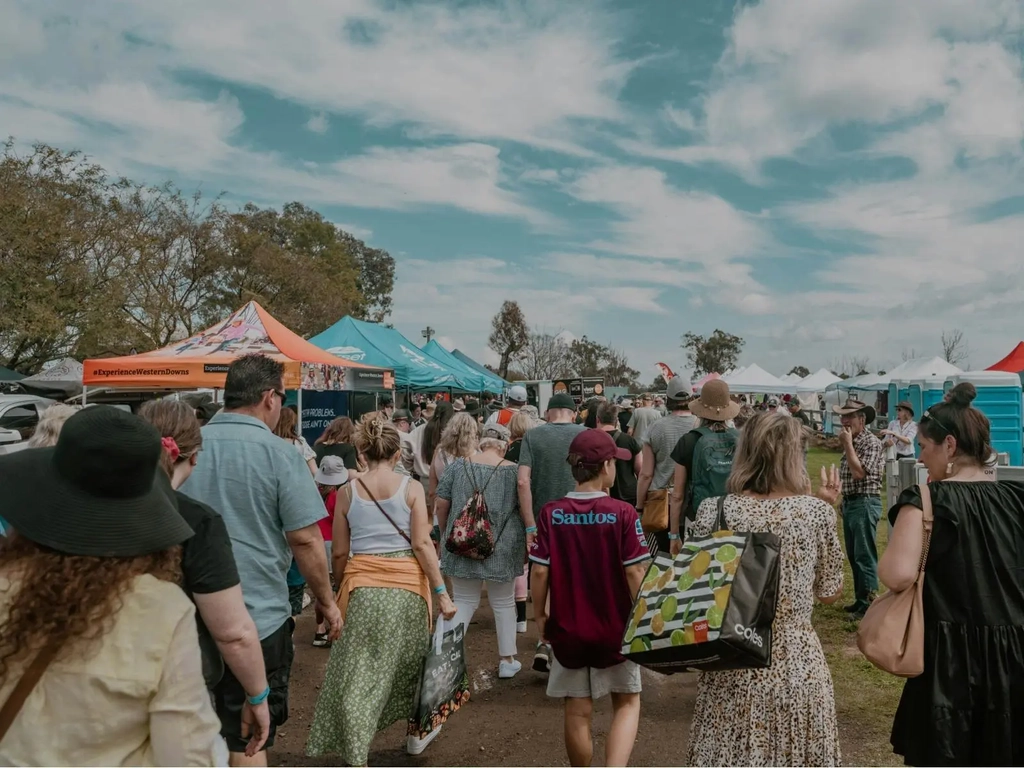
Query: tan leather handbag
point(655, 517)
point(891, 634)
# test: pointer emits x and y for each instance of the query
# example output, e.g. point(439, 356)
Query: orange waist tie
point(386, 573)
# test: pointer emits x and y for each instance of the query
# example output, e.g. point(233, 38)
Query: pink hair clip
point(171, 446)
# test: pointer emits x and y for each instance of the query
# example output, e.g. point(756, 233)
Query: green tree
point(716, 353)
point(509, 335)
point(800, 371)
point(60, 245)
point(545, 357)
point(590, 359)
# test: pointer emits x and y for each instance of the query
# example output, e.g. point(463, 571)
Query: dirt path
point(512, 722)
point(507, 722)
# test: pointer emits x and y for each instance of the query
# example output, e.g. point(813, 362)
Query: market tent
point(6, 374)
point(61, 380)
point(755, 380)
point(704, 380)
point(364, 342)
point(1012, 363)
point(467, 360)
point(918, 369)
point(203, 360)
point(485, 382)
point(791, 378)
point(817, 381)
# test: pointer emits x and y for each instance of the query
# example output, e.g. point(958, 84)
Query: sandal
point(320, 640)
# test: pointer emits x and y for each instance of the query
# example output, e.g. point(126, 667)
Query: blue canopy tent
point(374, 344)
point(469, 361)
point(486, 381)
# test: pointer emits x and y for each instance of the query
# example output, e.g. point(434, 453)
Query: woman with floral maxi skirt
point(385, 598)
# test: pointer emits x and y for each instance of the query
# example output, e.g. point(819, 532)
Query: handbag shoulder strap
point(720, 523)
point(383, 511)
point(24, 687)
point(928, 521)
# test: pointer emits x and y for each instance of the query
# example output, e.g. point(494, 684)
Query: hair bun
point(962, 395)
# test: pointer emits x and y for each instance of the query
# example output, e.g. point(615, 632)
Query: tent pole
point(85, 395)
point(299, 401)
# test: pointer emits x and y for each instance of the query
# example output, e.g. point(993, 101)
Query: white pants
point(502, 596)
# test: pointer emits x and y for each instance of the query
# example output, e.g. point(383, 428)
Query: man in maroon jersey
point(590, 552)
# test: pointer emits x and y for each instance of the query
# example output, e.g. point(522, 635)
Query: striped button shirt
point(872, 457)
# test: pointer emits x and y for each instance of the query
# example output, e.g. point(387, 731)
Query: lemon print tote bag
point(709, 608)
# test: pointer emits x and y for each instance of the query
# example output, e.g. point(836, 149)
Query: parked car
point(19, 415)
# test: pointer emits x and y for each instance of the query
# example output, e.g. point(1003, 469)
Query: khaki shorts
point(591, 683)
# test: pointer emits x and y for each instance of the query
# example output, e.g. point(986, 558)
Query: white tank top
point(370, 531)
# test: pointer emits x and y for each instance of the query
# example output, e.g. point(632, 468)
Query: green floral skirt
point(372, 673)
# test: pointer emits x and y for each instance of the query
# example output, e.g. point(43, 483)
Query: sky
point(827, 180)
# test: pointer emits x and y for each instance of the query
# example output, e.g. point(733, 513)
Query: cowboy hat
point(906, 406)
point(714, 403)
point(100, 492)
point(852, 406)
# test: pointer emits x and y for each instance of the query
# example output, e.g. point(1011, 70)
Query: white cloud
point(480, 72)
point(794, 68)
point(363, 233)
point(318, 123)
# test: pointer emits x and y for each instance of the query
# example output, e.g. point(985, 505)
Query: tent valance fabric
point(363, 342)
point(467, 360)
point(63, 379)
point(482, 382)
point(755, 380)
point(919, 369)
point(203, 359)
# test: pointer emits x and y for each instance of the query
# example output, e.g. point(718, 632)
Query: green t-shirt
point(545, 449)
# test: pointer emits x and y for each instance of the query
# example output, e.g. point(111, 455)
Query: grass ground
point(866, 697)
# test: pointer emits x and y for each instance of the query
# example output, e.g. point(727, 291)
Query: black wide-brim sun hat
point(100, 492)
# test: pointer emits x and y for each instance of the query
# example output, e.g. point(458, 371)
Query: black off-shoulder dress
point(968, 706)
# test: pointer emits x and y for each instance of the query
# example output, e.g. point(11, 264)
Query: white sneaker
point(415, 746)
point(521, 627)
point(509, 669)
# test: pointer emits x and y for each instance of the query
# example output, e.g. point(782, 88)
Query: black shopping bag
point(710, 608)
point(444, 684)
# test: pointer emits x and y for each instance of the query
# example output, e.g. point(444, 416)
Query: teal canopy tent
point(375, 344)
point(469, 361)
point(486, 382)
point(6, 374)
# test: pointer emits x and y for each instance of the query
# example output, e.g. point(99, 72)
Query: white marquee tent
point(756, 380)
point(922, 369)
point(817, 381)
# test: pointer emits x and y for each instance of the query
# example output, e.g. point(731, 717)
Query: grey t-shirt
point(663, 437)
point(641, 421)
point(545, 449)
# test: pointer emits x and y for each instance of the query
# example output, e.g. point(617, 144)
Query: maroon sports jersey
point(587, 540)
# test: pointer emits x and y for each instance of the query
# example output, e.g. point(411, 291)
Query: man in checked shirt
point(860, 472)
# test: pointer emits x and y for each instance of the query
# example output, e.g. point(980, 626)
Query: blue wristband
point(439, 590)
point(255, 700)
point(532, 529)
point(673, 537)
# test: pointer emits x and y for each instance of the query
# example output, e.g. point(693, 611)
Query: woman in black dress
point(967, 708)
point(337, 441)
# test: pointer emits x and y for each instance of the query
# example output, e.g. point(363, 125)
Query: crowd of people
point(153, 563)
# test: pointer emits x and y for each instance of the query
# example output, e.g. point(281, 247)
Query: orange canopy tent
point(203, 360)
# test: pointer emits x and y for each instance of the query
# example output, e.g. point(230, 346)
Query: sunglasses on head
point(929, 416)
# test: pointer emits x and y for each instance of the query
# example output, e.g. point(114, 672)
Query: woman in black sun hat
point(98, 643)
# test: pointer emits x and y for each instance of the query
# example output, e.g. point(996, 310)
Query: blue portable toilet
point(1000, 399)
point(924, 393)
point(898, 392)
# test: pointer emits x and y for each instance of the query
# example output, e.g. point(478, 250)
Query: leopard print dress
point(785, 714)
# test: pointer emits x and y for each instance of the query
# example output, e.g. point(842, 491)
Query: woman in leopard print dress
point(784, 714)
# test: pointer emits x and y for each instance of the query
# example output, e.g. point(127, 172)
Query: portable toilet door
point(923, 393)
point(894, 398)
point(1000, 399)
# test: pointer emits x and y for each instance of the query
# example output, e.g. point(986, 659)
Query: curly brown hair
point(341, 430)
point(68, 599)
